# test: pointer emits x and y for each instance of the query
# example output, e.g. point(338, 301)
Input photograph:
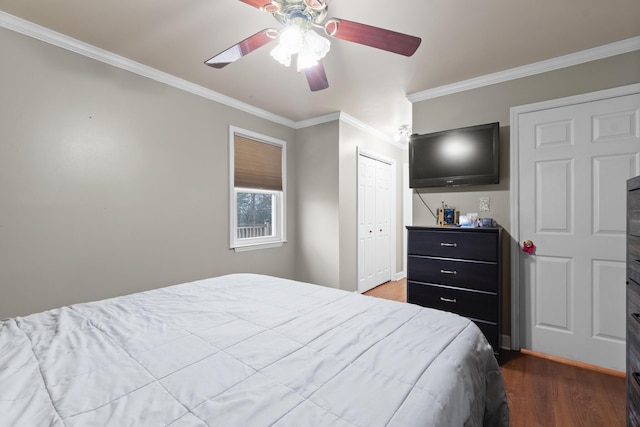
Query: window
point(257, 166)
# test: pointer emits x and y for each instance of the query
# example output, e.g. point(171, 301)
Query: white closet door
point(366, 223)
point(573, 164)
point(374, 223)
point(383, 223)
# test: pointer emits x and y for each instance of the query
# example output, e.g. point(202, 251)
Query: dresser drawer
point(633, 302)
point(473, 304)
point(633, 326)
point(633, 212)
point(480, 246)
point(481, 276)
point(633, 399)
point(633, 258)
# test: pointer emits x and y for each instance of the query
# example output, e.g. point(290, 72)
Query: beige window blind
point(257, 164)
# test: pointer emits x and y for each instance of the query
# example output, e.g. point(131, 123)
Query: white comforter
point(247, 350)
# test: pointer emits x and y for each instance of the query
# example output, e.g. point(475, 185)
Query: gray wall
point(318, 255)
point(111, 183)
point(492, 103)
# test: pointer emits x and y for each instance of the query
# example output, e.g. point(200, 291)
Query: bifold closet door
point(374, 222)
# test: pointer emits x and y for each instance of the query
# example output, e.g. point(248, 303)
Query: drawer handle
point(448, 272)
point(449, 245)
point(452, 300)
point(636, 316)
point(636, 376)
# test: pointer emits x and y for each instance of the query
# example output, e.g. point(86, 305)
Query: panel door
point(383, 223)
point(374, 223)
point(574, 162)
point(366, 223)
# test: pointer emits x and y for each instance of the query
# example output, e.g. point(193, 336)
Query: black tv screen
point(464, 156)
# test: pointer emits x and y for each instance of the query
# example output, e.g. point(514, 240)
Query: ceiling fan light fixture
point(280, 54)
point(314, 48)
point(307, 44)
point(306, 59)
point(291, 39)
point(316, 43)
point(289, 44)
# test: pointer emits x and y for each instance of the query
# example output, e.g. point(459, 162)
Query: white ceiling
point(461, 39)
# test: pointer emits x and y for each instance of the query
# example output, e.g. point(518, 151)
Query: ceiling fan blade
point(316, 77)
point(380, 38)
point(241, 49)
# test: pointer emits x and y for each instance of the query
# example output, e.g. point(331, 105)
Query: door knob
point(528, 246)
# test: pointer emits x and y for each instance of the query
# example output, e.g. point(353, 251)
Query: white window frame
point(279, 205)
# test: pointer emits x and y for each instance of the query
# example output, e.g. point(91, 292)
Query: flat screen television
point(464, 156)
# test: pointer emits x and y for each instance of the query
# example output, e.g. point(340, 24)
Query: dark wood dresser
point(633, 302)
point(457, 270)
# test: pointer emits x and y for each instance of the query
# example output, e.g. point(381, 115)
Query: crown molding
point(54, 38)
point(46, 35)
point(344, 117)
point(600, 52)
point(332, 117)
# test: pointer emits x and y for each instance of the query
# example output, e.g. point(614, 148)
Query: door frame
point(392, 195)
point(517, 297)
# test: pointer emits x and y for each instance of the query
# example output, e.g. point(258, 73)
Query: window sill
point(256, 246)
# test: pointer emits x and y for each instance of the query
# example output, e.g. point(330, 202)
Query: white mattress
point(247, 350)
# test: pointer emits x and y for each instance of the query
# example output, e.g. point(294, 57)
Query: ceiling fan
point(297, 37)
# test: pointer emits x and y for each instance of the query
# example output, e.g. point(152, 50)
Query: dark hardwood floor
point(547, 393)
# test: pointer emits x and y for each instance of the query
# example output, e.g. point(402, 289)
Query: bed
point(247, 350)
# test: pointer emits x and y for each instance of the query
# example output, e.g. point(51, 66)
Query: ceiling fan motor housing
point(304, 13)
